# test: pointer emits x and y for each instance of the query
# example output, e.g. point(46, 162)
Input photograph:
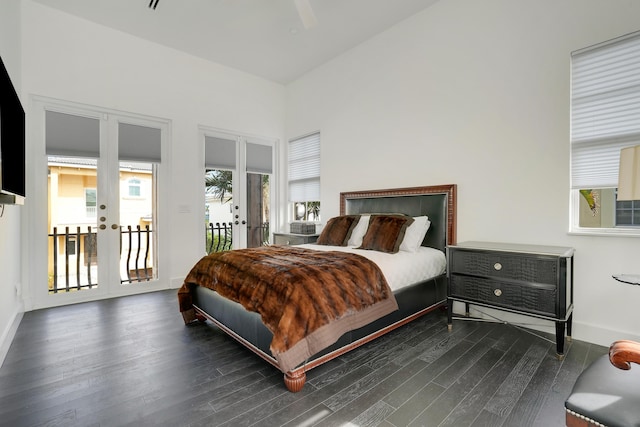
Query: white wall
point(72, 59)
point(476, 94)
point(10, 242)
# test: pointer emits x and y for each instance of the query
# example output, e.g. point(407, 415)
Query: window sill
point(606, 232)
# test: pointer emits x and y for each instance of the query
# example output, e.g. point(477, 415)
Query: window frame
point(91, 211)
point(593, 132)
point(575, 229)
point(134, 183)
point(312, 137)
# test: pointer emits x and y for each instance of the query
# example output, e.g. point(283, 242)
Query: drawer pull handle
point(497, 292)
point(497, 266)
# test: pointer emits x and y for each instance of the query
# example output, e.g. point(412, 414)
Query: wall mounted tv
point(12, 142)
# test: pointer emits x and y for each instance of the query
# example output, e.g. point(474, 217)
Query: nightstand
point(293, 238)
point(530, 280)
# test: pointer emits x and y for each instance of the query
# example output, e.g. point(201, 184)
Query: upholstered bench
point(607, 393)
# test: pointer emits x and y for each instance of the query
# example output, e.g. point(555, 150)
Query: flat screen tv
point(12, 142)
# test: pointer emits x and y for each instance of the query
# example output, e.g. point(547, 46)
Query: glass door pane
point(258, 203)
point(81, 194)
point(137, 213)
point(72, 224)
point(139, 153)
point(218, 210)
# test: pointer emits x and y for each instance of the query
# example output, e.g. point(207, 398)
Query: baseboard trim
point(581, 331)
point(9, 334)
point(176, 282)
point(598, 335)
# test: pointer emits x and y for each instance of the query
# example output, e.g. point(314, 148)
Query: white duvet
point(400, 269)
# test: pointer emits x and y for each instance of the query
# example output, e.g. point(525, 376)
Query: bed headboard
point(437, 202)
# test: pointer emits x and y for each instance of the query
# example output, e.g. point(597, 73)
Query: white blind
point(71, 135)
point(259, 158)
point(139, 143)
point(605, 110)
point(219, 153)
point(304, 168)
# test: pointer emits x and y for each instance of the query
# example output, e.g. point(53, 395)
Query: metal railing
point(143, 246)
point(73, 257)
point(220, 236)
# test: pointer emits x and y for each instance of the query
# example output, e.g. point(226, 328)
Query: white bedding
point(400, 269)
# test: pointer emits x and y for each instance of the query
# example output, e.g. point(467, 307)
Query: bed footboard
point(247, 328)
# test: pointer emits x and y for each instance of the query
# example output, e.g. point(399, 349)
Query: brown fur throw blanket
point(307, 298)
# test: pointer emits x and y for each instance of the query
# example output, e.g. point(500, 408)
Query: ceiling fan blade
point(305, 11)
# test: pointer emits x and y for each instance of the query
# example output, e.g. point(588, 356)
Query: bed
point(410, 300)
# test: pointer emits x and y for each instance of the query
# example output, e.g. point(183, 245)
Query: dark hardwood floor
point(132, 362)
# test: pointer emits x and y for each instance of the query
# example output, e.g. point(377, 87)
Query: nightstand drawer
point(522, 297)
point(527, 268)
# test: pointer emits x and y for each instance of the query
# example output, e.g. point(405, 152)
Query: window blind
point(304, 168)
point(259, 158)
point(71, 135)
point(219, 153)
point(139, 143)
point(605, 110)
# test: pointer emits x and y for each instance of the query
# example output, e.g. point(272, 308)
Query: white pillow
point(359, 231)
point(415, 233)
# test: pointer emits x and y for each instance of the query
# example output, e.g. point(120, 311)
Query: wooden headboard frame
point(437, 202)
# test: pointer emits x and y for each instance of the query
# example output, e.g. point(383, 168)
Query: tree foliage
point(218, 183)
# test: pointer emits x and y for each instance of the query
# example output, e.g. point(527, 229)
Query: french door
point(103, 171)
point(239, 190)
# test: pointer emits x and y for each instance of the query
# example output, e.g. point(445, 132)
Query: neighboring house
point(72, 187)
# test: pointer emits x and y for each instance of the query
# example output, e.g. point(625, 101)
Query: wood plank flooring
point(132, 362)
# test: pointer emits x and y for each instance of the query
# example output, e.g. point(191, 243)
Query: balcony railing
point(220, 236)
point(138, 239)
point(73, 257)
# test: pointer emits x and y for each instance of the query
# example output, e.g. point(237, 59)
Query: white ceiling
point(262, 37)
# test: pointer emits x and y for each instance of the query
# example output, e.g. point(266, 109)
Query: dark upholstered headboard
point(437, 202)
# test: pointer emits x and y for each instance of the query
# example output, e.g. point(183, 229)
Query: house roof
point(92, 163)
